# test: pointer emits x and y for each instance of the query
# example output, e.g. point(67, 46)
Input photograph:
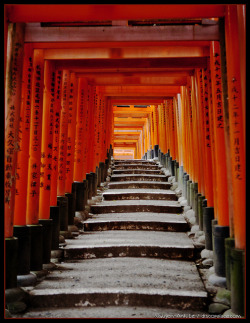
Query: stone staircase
point(134, 258)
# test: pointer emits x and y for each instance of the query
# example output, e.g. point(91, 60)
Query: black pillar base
point(47, 237)
point(94, 184)
point(220, 233)
point(11, 262)
point(89, 178)
point(229, 245)
point(208, 216)
point(101, 166)
point(106, 167)
point(62, 202)
point(172, 167)
point(202, 203)
point(71, 206)
point(36, 250)
point(22, 232)
point(54, 215)
point(78, 188)
point(99, 177)
point(238, 281)
point(85, 193)
point(24, 276)
point(156, 150)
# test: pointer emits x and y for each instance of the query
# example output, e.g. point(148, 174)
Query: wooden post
point(160, 128)
point(72, 102)
point(79, 140)
point(24, 134)
point(155, 119)
point(208, 167)
point(90, 146)
point(237, 125)
point(200, 128)
point(212, 138)
point(13, 87)
point(175, 128)
point(190, 133)
point(219, 136)
point(98, 128)
point(56, 133)
point(63, 133)
point(196, 152)
point(179, 125)
point(183, 129)
point(47, 140)
point(35, 138)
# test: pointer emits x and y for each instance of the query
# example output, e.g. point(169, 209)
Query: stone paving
point(132, 259)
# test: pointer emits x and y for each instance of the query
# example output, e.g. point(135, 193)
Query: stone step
point(134, 161)
point(135, 166)
point(123, 243)
point(138, 177)
point(122, 281)
point(136, 221)
point(139, 194)
point(139, 184)
point(137, 171)
point(161, 206)
point(124, 311)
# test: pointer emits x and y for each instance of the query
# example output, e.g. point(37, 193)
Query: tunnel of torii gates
point(84, 83)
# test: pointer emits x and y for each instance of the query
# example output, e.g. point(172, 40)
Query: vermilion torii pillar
point(208, 175)
point(80, 136)
point(13, 79)
point(54, 208)
point(24, 135)
point(220, 231)
point(62, 158)
point(21, 230)
point(63, 133)
point(33, 187)
point(71, 133)
point(47, 140)
point(236, 68)
point(47, 158)
point(56, 133)
point(69, 191)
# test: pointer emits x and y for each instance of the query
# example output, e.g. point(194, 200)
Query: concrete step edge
point(140, 195)
point(98, 209)
point(115, 250)
point(101, 225)
point(80, 297)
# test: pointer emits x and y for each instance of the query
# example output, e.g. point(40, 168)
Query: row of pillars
point(202, 143)
point(30, 251)
point(58, 149)
point(229, 262)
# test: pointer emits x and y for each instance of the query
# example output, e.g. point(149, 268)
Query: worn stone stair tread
point(137, 171)
point(144, 273)
point(130, 243)
point(105, 282)
point(110, 297)
point(139, 194)
point(139, 202)
point(133, 221)
point(160, 206)
point(136, 166)
point(139, 184)
point(135, 161)
point(143, 216)
point(111, 312)
point(130, 238)
point(140, 177)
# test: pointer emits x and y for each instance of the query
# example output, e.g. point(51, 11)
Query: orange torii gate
point(184, 82)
